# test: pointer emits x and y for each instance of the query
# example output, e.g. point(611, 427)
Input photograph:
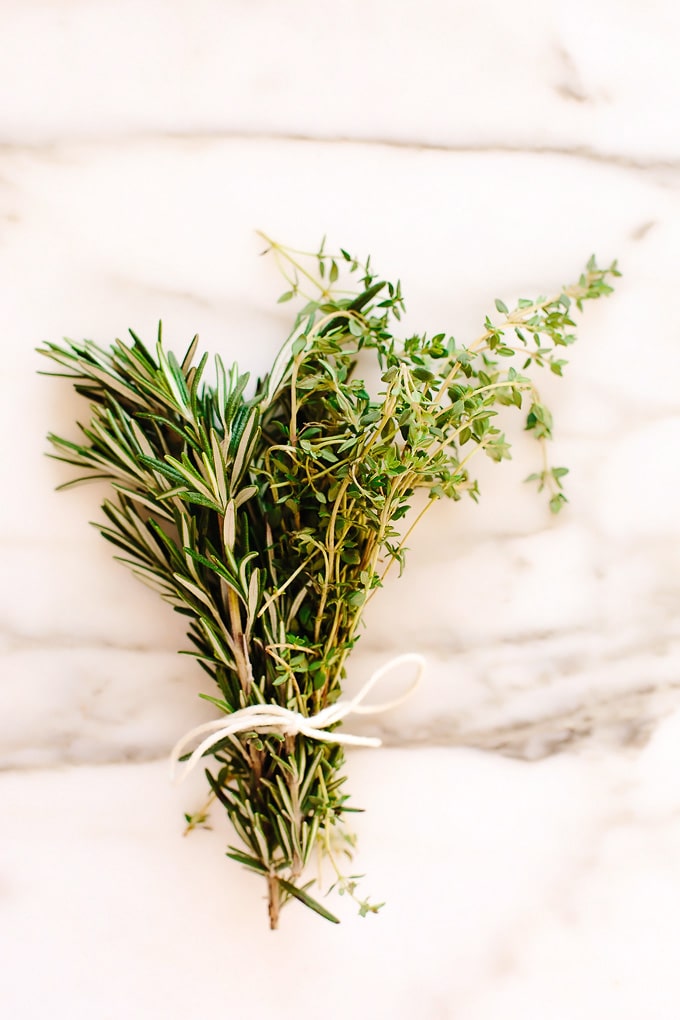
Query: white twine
point(277, 719)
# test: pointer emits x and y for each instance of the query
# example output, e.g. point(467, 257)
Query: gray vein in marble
point(13, 641)
point(570, 87)
point(619, 719)
point(51, 150)
point(164, 293)
point(642, 230)
point(132, 755)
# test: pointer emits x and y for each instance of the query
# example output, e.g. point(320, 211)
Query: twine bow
point(277, 719)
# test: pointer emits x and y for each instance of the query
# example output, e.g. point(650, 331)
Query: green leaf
point(247, 860)
point(557, 502)
point(308, 901)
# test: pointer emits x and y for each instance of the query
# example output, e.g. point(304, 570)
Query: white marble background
point(477, 151)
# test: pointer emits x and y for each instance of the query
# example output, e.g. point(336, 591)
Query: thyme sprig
point(269, 514)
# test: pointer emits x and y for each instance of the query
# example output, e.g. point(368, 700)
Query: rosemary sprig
point(269, 514)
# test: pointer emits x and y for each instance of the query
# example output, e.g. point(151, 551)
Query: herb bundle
point(269, 514)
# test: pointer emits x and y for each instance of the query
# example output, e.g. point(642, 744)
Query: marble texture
point(593, 76)
point(513, 890)
point(477, 151)
point(579, 624)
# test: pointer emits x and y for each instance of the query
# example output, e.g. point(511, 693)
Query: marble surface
point(477, 151)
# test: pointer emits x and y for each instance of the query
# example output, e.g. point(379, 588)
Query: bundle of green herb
point(269, 516)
